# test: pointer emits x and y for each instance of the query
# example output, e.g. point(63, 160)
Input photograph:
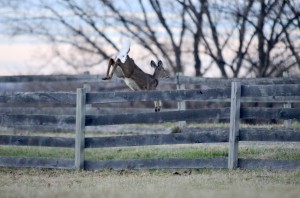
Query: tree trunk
point(260, 35)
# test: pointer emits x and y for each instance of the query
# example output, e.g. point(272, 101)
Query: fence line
point(215, 82)
point(83, 98)
point(251, 93)
point(138, 118)
point(233, 160)
point(188, 137)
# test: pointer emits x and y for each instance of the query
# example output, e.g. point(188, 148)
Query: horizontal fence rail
point(253, 93)
point(242, 91)
point(220, 163)
point(44, 120)
point(72, 110)
point(138, 118)
point(270, 90)
point(204, 114)
point(215, 82)
point(156, 164)
point(51, 78)
point(27, 162)
point(175, 95)
point(269, 164)
point(270, 113)
point(37, 141)
point(38, 98)
point(188, 137)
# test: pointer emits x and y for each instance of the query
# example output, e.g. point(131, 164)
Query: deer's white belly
point(128, 81)
point(131, 84)
point(119, 72)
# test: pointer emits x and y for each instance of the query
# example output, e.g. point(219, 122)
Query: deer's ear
point(160, 64)
point(153, 64)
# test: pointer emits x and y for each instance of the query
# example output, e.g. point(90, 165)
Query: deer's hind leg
point(110, 63)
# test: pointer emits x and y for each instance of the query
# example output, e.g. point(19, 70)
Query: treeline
point(231, 38)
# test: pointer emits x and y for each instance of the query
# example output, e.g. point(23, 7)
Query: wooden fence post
point(181, 105)
point(80, 128)
point(234, 125)
point(287, 123)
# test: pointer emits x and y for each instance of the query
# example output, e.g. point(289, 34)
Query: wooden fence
point(236, 94)
point(179, 80)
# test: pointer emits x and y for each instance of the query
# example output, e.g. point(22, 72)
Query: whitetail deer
point(134, 77)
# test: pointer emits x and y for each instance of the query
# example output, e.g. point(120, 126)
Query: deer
point(136, 79)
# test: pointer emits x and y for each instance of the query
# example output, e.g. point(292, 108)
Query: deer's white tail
point(122, 55)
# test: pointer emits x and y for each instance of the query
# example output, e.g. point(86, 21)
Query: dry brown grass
point(160, 183)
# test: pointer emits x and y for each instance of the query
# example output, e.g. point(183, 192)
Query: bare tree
point(228, 38)
point(195, 12)
point(242, 14)
point(75, 24)
point(217, 37)
point(145, 30)
point(272, 27)
point(263, 29)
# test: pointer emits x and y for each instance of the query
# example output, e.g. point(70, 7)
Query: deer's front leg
point(159, 105)
point(110, 63)
point(156, 106)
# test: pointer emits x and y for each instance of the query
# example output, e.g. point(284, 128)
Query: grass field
point(289, 151)
point(29, 182)
point(156, 183)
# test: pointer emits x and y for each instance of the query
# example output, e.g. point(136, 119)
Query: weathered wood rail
point(116, 85)
point(214, 82)
point(237, 94)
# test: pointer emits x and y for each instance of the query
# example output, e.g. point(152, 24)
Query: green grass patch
point(275, 153)
point(296, 125)
point(117, 153)
point(164, 151)
point(30, 151)
point(155, 152)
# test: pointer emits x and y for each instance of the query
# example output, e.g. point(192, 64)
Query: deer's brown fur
point(135, 78)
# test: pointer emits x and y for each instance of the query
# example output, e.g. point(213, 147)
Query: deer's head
point(159, 71)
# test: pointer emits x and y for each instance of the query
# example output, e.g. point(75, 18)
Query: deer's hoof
point(106, 78)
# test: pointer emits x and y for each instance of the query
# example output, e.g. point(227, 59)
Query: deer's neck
point(156, 74)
